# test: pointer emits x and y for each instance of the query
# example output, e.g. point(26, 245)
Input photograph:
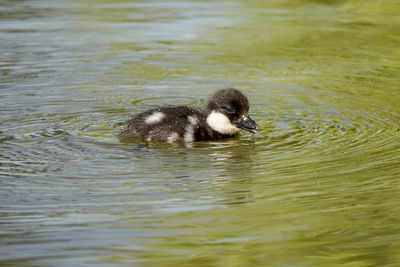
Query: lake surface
point(319, 185)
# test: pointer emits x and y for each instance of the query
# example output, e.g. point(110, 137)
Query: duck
point(226, 114)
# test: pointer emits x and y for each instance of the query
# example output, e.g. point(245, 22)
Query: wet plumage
point(225, 116)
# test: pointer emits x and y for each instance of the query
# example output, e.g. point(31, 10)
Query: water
point(317, 186)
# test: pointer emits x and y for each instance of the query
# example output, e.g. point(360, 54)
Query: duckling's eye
point(228, 110)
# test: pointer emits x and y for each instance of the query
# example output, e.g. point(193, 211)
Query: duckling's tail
point(119, 125)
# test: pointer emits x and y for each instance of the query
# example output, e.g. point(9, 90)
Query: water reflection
point(200, 165)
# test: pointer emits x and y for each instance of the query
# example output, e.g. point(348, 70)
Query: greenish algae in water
point(317, 186)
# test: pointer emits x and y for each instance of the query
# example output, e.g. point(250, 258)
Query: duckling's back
point(170, 124)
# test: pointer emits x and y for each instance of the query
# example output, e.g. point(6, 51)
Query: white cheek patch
point(221, 123)
point(154, 118)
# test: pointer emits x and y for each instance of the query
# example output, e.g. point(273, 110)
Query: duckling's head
point(228, 112)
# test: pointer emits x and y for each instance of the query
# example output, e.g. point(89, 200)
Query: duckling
point(226, 114)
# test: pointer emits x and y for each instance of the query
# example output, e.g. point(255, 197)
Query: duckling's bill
point(248, 124)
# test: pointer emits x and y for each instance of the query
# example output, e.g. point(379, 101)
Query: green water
point(317, 186)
